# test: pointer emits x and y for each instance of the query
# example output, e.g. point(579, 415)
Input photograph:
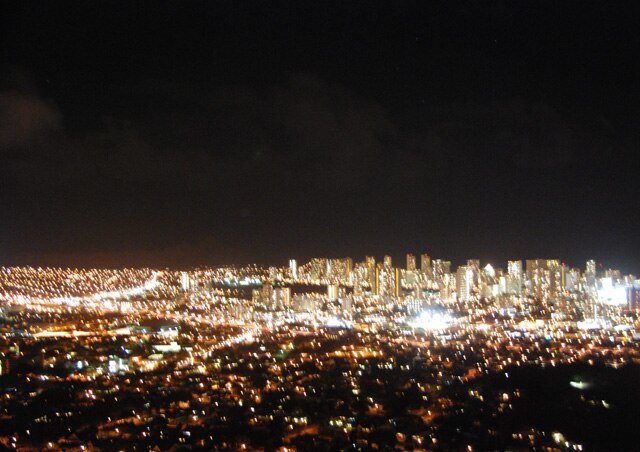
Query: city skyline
point(540, 280)
point(399, 261)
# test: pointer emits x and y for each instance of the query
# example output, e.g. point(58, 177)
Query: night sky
point(174, 133)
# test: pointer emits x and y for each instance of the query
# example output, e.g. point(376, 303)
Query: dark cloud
point(26, 120)
point(197, 172)
point(299, 131)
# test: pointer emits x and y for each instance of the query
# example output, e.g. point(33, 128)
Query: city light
point(205, 343)
point(429, 320)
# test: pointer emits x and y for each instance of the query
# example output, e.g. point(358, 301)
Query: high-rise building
point(185, 281)
point(440, 269)
point(446, 285)
point(464, 282)
point(543, 276)
point(590, 276)
point(387, 260)
point(410, 278)
point(425, 264)
point(541, 264)
point(333, 291)
point(386, 280)
point(514, 272)
point(489, 272)
point(293, 267)
point(411, 262)
point(514, 268)
point(633, 296)
point(317, 268)
point(572, 280)
point(475, 263)
point(339, 269)
point(360, 278)
point(370, 262)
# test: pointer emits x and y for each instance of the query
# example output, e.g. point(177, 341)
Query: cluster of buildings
point(433, 280)
point(330, 354)
point(542, 278)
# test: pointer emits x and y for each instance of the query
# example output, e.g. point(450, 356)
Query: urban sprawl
point(329, 354)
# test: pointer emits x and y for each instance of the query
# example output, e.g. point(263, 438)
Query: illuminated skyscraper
point(464, 282)
point(514, 270)
point(386, 280)
point(425, 264)
point(544, 276)
point(387, 260)
point(185, 281)
point(474, 265)
point(370, 262)
point(317, 268)
point(339, 269)
point(544, 264)
point(590, 276)
point(411, 262)
point(572, 280)
point(633, 296)
point(440, 269)
point(293, 267)
point(360, 278)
